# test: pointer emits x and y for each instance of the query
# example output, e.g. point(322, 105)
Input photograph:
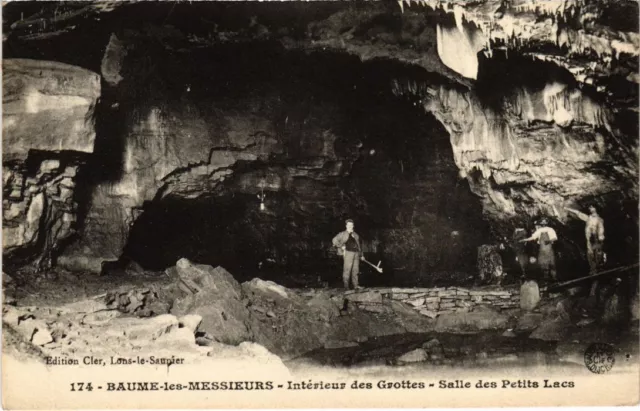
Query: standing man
point(348, 244)
point(545, 236)
point(594, 232)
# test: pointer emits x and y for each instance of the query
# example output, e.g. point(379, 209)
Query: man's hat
point(347, 221)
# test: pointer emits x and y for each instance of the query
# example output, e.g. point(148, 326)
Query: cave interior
point(317, 135)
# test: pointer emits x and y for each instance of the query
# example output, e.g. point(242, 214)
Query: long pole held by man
point(348, 245)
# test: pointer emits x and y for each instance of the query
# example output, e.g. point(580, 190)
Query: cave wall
point(47, 106)
point(525, 149)
point(48, 133)
point(541, 147)
point(185, 135)
point(529, 147)
point(188, 138)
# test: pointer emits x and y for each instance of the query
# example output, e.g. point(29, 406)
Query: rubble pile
point(205, 312)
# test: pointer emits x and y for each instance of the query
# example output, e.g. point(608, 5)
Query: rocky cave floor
point(199, 313)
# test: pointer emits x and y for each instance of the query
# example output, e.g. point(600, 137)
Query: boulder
point(529, 295)
point(195, 278)
point(417, 355)
point(225, 319)
point(214, 295)
point(267, 289)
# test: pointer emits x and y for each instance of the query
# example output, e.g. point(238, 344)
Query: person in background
point(348, 244)
point(594, 233)
point(545, 236)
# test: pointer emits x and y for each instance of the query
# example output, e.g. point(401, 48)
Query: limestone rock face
point(39, 208)
point(573, 28)
point(526, 162)
point(534, 151)
point(48, 129)
point(47, 106)
point(545, 147)
point(112, 61)
point(193, 151)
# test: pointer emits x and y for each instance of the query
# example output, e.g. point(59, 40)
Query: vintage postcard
point(320, 204)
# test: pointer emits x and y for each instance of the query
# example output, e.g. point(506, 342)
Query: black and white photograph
point(320, 204)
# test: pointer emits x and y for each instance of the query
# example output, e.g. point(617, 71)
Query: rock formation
point(48, 133)
point(558, 134)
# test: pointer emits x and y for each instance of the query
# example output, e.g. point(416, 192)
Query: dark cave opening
point(413, 211)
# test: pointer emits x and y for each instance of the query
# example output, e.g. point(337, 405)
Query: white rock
point(190, 322)
point(41, 337)
point(417, 302)
point(417, 355)
point(259, 284)
point(49, 165)
point(529, 295)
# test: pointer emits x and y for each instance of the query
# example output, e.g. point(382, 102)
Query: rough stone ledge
point(432, 302)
